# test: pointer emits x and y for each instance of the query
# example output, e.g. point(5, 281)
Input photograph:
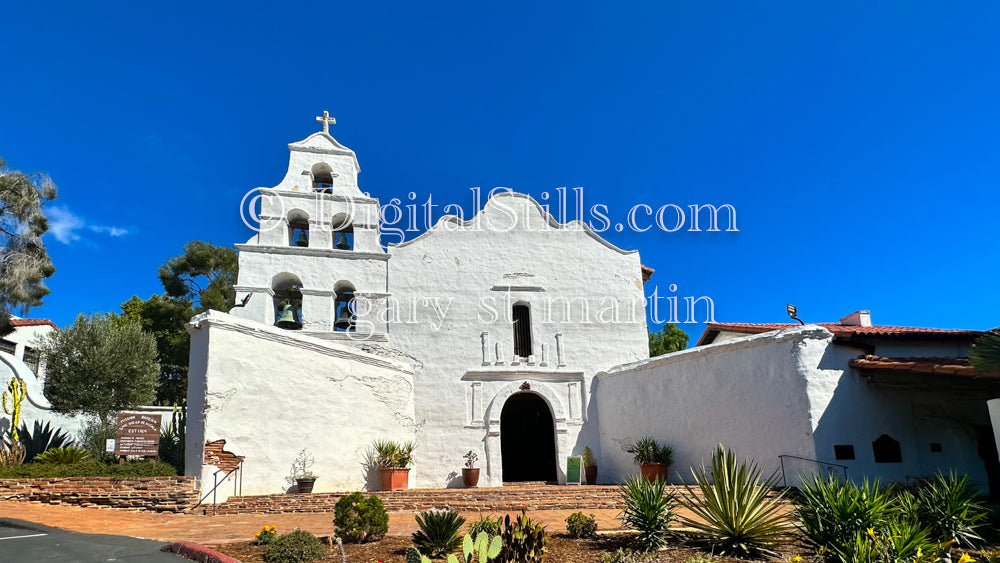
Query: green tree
point(100, 365)
point(669, 339)
point(204, 274)
point(164, 317)
point(986, 351)
point(24, 261)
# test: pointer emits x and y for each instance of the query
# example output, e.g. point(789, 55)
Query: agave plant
point(949, 507)
point(41, 438)
point(649, 508)
point(832, 512)
point(735, 514)
point(386, 454)
point(62, 456)
point(439, 532)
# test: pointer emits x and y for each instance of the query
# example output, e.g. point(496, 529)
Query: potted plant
point(652, 458)
point(302, 472)
point(392, 459)
point(470, 473)
point(589, 466)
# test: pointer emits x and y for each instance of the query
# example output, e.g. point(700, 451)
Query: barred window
point(522, 330)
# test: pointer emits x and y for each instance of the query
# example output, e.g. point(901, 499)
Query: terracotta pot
point(470, 476)
point(305, 485)
point(654, 471)
point(395, 479)
point(591, 472)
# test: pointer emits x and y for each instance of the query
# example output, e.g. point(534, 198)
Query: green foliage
point(732, 510)
point(480, 550)
point(948, 507)
point(164, 317)
point(266, 535)
point(625, 555)
point(485, 525)
point(579, 525)
point(298, 546)
point(172, 438)
point(24, 261)
point(386, 454)
point(985, 354)
point(63, 456)
point(648, 450)
point(204, 274)
point(95, 434)
point(438, 533)
point(832, 513)
point(413, 556)
point(523, 539)
point(100, 365)
point(88, 468)
point(41, 438)
point(588, 457)
point(360, 519)
point(669, 339)
point(897, 542)
point(649, 508)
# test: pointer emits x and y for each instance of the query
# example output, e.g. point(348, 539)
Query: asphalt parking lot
point(24, 542)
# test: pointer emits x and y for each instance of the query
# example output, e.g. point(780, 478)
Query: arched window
point(343, 231)
point(287, 290)
point(322, 177)
point(522, 330)
point(343, 307)
point(886, 450)
point(298, 228)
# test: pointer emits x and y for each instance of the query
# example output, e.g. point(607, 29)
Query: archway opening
point(527, 439)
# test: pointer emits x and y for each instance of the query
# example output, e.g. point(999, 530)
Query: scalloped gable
point(324, 143)
point(498, 214)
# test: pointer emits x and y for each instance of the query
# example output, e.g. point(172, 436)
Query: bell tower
point(317, 256)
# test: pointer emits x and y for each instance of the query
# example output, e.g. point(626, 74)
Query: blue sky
point(857, 141)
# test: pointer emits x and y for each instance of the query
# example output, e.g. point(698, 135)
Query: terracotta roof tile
point(844, 331)
point(942, 366)
point(33, 322)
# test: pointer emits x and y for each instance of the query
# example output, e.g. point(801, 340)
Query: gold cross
point(326, 120)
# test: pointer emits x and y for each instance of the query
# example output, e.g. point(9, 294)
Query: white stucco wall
point(270, 393)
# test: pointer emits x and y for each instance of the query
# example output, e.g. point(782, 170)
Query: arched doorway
point(527, 439)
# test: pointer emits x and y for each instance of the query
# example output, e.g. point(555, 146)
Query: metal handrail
point(781, 459)
point(237, 485)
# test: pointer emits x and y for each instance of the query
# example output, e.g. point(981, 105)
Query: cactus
point(482, 550)
point(524, 541)
point(414, 556)
point(17, 393)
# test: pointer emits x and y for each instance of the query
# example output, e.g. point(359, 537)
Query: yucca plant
point(948, 507)
point(62, 456)
point(386, 454)
point(439, 532)
point(832, 512)
point(648, 509)
point(41, 438)
point(733, 509)
point(898, 541)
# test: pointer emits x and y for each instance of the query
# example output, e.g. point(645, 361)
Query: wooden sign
point(573, 467)
point(138, 434)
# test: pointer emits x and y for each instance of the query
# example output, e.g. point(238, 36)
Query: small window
point(522, 331)
point(936, 447)
point(843, 451)
point(32, 358)
point(7, 346)
point(886, 450)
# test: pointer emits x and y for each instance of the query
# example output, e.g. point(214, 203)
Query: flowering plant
point(267, 535)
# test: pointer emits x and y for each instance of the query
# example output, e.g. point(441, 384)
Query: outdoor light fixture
point(792, 312)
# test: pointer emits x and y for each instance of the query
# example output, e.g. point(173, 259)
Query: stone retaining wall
point(156, 494)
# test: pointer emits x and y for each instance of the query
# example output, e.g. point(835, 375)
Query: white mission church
point(525, 340)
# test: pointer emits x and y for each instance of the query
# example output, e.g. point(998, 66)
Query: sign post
point(137, 434)
point(573, 466)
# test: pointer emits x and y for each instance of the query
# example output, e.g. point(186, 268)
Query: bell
point(287, 319)
point(345, 320)
point(303, 240)
point(342, 243)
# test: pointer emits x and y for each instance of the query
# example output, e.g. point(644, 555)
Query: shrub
point(41, 438)
point(485, 525)
point(63, 456)
point(948, 507)
point(625, 555)
point(731, 506)
point(523, 540)
point(95, 434)
point(360, 519)
point(588, 457)
point(88, 468)
point(579, 525)
point(298, 546)
point(266, 535)
point(833, 512)
point(438, 533)
point(649, 507)
point(648, 450)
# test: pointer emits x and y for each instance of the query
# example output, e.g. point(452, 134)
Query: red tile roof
point(944, 366)
point(842, 331)
point(33, 322)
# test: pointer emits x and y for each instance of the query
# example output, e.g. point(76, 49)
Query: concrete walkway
point(230, 528)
